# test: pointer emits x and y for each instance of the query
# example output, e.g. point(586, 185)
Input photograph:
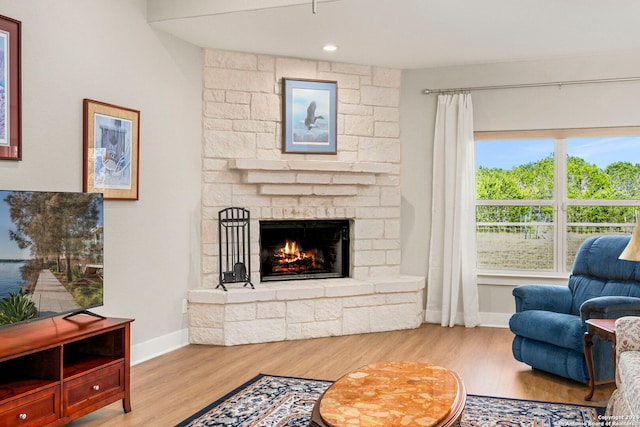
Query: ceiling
point(405, 34)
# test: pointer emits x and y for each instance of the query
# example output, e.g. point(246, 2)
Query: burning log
point(291, 259)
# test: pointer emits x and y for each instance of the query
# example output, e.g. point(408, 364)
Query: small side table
point(606, 330)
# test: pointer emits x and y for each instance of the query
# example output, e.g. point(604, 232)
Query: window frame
point(558, 203)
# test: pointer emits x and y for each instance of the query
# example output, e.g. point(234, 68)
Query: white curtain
point(452, 293)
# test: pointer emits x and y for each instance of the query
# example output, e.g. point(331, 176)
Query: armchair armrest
point(543, 297)
point(609, 307)
point(627, 334)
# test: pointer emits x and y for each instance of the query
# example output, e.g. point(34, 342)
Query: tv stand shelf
point(55, 370)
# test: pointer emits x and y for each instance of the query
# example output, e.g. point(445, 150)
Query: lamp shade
point(632, 251)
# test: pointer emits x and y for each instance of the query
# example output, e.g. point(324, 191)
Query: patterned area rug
point(276, 401)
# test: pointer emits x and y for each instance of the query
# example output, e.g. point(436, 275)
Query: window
point(540, 194)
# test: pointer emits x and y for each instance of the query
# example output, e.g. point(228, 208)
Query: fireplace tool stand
point(233, 247)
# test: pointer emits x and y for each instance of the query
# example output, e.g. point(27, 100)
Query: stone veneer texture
point(244, 166)
point(304, 309)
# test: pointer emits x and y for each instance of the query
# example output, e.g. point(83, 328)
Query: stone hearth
point(293, 310)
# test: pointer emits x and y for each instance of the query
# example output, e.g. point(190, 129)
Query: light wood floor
point(169, 388)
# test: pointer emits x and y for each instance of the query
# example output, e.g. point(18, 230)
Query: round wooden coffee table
point(392, 394)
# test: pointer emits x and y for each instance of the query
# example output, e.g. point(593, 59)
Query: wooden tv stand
point(53, 371)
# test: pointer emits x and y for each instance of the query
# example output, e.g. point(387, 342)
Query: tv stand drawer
point(93, 387)
point(37, 409)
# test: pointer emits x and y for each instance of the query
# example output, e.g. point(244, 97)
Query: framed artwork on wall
point(111, 150)
point(309, 116)
point(10, 90)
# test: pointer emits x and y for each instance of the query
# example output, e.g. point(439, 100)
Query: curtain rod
point(524, 85)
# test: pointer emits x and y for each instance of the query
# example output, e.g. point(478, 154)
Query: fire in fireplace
point(304, 249)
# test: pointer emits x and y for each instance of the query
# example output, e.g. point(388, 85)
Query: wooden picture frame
point(111, 140)
point(10, 90)
point(309, 116)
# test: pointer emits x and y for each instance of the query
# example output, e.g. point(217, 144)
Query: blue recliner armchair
point(549, 320)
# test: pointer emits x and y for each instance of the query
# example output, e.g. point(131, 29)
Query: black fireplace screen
point(304, 249)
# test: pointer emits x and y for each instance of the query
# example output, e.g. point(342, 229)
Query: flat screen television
point(51, 254)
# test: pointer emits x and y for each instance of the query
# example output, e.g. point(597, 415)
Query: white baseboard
point(495, 320)
point(488, 319)
point(158, 346)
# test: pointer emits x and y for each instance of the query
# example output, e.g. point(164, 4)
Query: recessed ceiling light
point(330, 48)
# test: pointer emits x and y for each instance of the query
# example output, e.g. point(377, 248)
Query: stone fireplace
point(243, 165)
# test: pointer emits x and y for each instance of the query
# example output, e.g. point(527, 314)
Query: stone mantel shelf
point(309, 177)
point(310, 165)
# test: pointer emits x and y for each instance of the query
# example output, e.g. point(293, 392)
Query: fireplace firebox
point(304, 249)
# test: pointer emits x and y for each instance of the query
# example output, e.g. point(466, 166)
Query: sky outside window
point(600, 151)
point(603, 151)
point(506, 154)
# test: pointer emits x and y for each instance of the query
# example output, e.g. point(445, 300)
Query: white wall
point(106, 51)
point(615, 104)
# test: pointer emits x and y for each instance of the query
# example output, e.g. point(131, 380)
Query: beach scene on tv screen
point(51, 253)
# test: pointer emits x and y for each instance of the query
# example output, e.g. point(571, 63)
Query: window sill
point(518, 278)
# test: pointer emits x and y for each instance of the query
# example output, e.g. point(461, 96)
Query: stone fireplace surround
point(243, 166)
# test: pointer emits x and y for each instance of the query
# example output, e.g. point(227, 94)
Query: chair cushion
point(597, 271)
point(562, 330)
point(629, 379)
point(550, 358)
point(598, 257)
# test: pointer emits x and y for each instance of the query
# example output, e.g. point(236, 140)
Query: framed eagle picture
point(309, 116)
